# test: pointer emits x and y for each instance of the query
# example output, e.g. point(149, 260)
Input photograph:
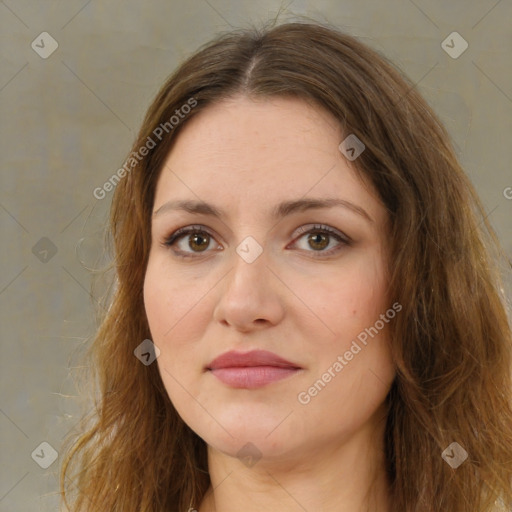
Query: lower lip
point(250, 377)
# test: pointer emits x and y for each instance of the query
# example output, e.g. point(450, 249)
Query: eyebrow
point(279, 211)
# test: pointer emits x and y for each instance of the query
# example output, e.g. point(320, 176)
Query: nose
point(251, 297)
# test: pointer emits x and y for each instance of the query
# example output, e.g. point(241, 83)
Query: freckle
point(354, 312)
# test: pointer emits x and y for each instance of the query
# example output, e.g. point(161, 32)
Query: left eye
point(318, 238)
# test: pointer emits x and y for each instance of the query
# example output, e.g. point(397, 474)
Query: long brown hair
point(452, 343)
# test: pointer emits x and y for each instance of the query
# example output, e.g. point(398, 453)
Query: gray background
point(68, 121)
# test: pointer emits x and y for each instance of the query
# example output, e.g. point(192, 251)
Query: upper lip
point(233, 359)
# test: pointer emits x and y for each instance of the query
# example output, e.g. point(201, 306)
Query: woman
point(306, 316)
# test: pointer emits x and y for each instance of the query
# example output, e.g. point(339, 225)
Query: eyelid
point(321, 227)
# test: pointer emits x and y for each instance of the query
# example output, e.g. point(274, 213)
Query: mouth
point(251, 370)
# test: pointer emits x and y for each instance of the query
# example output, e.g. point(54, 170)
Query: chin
point(248, 438)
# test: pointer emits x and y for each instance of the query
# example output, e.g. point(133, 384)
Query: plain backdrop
point(67, 120)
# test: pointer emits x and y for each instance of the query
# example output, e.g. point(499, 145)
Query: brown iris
point(320, 240)
point(200, 241)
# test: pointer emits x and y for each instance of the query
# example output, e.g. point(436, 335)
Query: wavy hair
point(451, 345)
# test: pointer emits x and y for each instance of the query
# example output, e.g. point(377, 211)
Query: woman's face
point(269, 273)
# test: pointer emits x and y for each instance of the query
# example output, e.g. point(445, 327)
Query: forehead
point(242, 130)
point(263, 151)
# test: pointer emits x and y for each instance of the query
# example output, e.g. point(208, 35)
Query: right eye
point(190, 240)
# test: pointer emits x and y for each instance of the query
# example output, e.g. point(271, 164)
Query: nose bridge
point(248, 295)
point(249, 267)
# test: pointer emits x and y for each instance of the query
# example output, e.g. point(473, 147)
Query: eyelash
point(317, 228)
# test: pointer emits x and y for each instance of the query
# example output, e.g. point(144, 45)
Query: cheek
point(350, 304)
point(168, 324)
point(351, 299)
point(171, 303)
point(157, 302)
point(177, 308)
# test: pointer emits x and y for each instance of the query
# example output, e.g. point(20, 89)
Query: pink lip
point(251, 370)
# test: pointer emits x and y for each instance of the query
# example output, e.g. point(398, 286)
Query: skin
point(245, 156)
